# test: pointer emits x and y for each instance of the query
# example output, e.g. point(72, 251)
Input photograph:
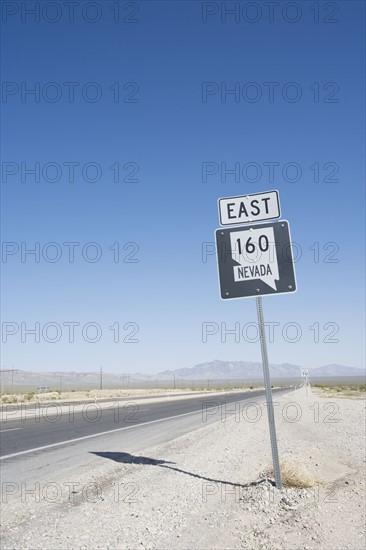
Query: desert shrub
point(294, 474)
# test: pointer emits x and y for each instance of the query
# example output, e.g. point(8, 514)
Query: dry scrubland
point(344, 390)
point(83, 395)
point(356, 391)
point(212, 489)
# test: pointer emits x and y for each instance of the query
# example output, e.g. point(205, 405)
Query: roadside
point(207, 489)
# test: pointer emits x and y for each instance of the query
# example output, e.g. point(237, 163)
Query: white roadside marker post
point(268, 389)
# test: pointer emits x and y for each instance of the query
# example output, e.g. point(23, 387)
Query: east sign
point(249, 208)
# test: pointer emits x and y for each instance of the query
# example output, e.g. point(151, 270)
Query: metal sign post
point(267, 386)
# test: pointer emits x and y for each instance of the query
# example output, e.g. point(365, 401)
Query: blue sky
point(161, 130)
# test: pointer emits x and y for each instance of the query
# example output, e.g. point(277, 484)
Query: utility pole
point(12, 378)
point(101, 378)
point(125, 379)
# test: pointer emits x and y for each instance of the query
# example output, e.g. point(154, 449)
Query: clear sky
point(130, 131)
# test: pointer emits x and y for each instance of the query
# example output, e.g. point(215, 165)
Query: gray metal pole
point(267, 385)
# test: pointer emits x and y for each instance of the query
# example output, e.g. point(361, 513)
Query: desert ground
point(213, 488)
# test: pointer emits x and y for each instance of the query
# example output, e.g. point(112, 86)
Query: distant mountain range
point(213, 370)
point(246, 370)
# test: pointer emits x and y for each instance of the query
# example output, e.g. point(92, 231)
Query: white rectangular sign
point(304, 373)
point(249, 208)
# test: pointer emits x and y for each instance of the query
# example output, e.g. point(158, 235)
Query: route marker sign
point(255, 260)
point(249, 208)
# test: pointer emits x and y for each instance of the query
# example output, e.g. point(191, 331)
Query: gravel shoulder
point(209, 489)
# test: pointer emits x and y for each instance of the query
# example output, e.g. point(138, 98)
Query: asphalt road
point(33, 405)
point(51, 429)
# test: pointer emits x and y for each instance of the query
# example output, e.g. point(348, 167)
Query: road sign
point(249, 208)
point(304, 373)
point(255, 260)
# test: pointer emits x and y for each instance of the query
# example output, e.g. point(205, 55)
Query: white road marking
point(9, 430)
point(105, 433)
point(93, 435)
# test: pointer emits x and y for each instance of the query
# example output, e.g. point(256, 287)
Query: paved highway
point(34, 405)
point(51, 429)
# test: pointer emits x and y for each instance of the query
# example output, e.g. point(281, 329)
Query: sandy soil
point(208, 490)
